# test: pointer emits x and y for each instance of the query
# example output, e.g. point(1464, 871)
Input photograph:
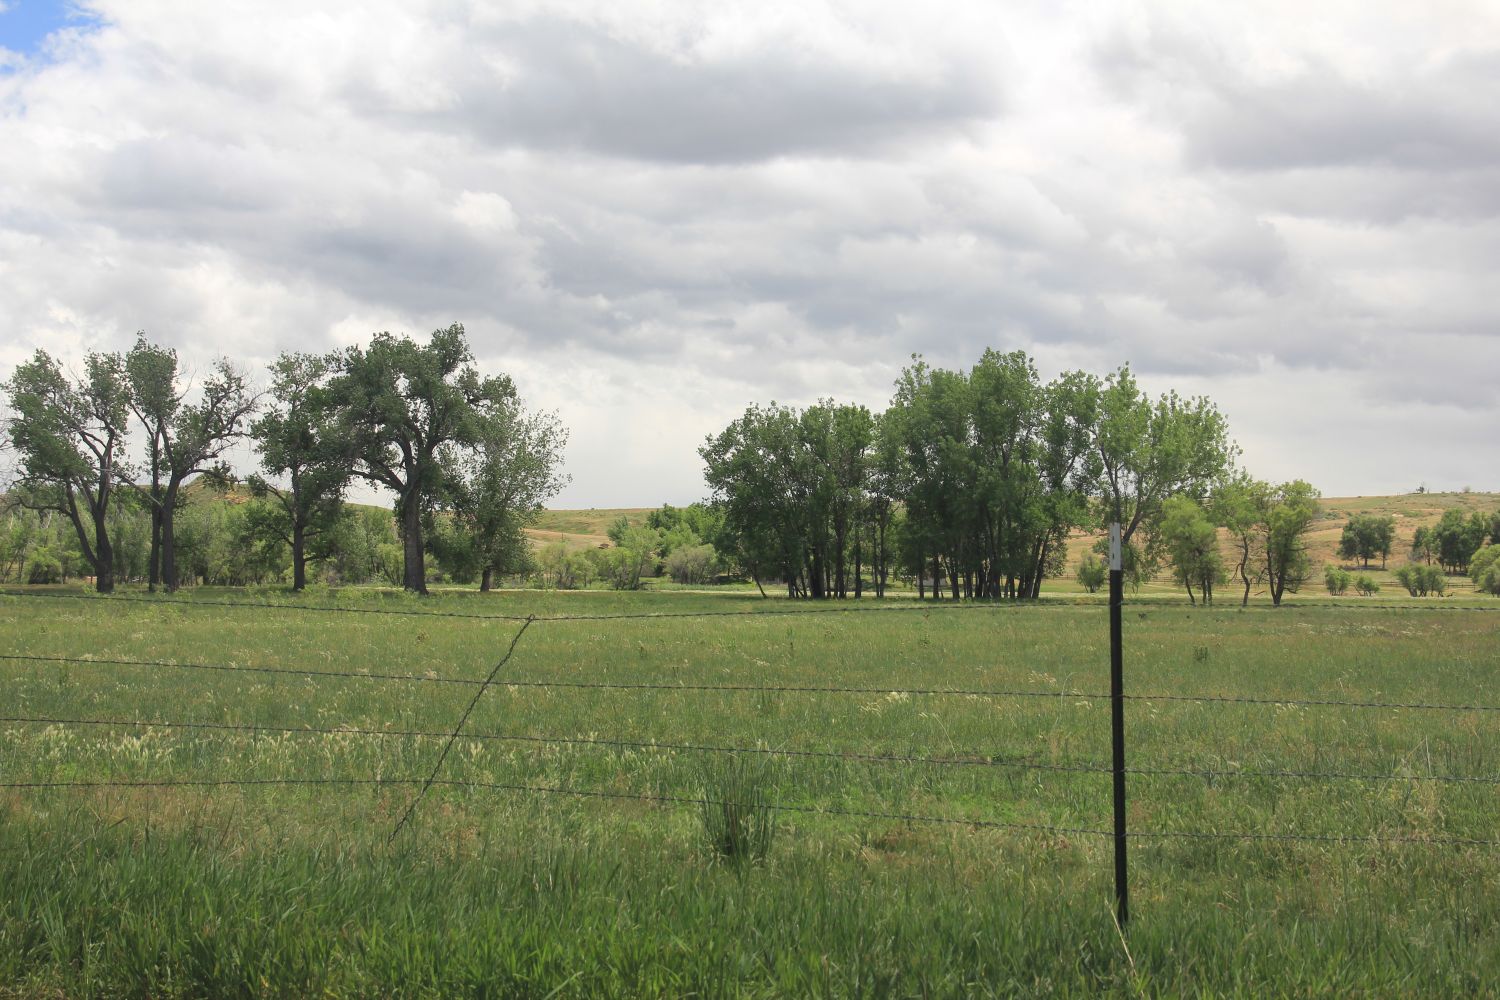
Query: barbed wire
point(229, 668)
point(1375, 836)
point(462, 720)
point(1314, 702)
point(968, 604)
point(522, 682)
point(972, 759)
point(756, 688)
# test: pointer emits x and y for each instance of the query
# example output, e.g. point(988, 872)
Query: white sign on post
point(1114, 546)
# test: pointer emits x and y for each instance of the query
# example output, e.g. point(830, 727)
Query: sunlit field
point(929, 788)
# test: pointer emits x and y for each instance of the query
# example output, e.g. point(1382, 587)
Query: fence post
point(1117, 717)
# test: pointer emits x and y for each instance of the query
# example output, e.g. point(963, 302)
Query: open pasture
point(931, 843)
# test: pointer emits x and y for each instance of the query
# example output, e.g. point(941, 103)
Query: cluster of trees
point(469, 466)
point(1454, 540)
point(970, 482)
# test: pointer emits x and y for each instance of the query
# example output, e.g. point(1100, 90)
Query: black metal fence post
point(1117, 718)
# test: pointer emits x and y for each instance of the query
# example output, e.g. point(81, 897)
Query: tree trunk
point(859, 570)
point(299, 556)
point(487, 580)
point(104, 556)
point(414, 568)
point(154, 570)
point(169, 539)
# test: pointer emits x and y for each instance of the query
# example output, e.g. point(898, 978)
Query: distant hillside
point(583, 529)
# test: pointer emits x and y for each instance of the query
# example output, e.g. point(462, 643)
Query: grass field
point(275, 889)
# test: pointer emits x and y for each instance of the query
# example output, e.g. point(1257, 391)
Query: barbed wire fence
point(495, 678)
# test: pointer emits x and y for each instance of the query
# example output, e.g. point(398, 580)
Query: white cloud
point(655, 214)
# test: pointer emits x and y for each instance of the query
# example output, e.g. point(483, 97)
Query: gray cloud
point(656, 217)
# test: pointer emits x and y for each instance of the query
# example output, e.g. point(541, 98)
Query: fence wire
point(494, 679)
point(1372, 837)
point(970, 759)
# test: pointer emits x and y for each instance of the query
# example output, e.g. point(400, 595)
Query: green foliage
point(1337, 580)
point(1422, 581)
point(1192, 543)
point(1456, 538)
point(398, 405)
point(1092, 574)
point(691, 564)
point(1365, 586)
point(1367, 536)
point(631, 558)
point(69, 442)
point(1285, 514)
point(299, 445)
point(497, 487)
point(1150, 450)
point(1484, 569)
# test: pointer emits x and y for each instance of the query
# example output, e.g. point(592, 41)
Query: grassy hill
point(583, 529)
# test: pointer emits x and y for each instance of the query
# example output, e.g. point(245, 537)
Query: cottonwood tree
point(69, 440)
point(1151, 450)
point(1285, 514)
point(193, 443)
point(398, 404)
point(154, 399)
point(1192, 543)
point(1235, 506)
point(1367, 536)
point(496, 487)
point(299, 446)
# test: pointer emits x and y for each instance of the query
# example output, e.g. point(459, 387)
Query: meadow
point(926, 843)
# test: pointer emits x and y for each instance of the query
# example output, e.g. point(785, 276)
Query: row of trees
point(973, 481)
point(468, 465)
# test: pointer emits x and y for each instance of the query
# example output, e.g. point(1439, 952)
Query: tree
point(632, 557)
point(1337, 580)
point(297, 443)
point(1455, 539)
point(1150, 451)
point(1236, 508)
point(154, 399)
point(1192, 543)
point(1366, 536)
point(497, 487)
point(398, 403)
point(1286, 513)
point(1484, 569)
point(69, 438)
point(193, 442)
point(1423, 545)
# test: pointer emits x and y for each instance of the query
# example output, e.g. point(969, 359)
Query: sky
point(654, 214)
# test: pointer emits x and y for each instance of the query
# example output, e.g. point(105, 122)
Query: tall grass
point(293, 890)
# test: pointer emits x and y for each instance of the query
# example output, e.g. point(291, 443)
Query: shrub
point(1336, 580)
point(1092, 573)
point(1484, 569)
point(1366, 586)
point(1420, 581)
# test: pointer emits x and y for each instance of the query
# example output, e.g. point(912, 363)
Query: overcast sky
point(653, 216)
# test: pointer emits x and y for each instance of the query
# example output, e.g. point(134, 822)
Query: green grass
point(273, 890)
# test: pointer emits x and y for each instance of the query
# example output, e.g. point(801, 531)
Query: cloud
point(656, 214)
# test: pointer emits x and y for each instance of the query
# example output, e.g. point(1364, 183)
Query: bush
point(1092, 573)
point(1420, 581)
point(692, 563)
point(1366, 586)
point(1484, 569)
point(1336, 580)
